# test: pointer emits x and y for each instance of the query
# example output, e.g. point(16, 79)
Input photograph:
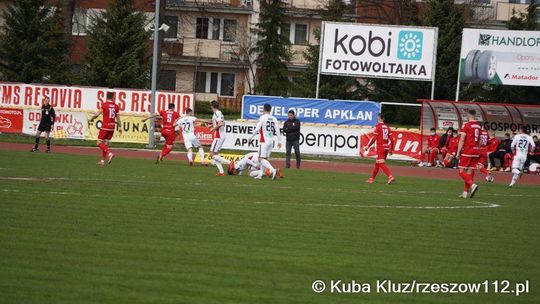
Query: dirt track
point(500, 177)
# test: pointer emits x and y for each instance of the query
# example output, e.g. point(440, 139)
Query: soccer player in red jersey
point(385, 145)
point(483, 155)
point(493, 144)
point(453, 143)
point(468, 153)
point(169, 118)
point(432, 149)
point(111, 118)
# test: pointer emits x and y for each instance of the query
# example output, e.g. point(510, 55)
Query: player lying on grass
point(382, 136)
point(267, 128)
point(46, 124)
point(249, 162)
point(187, 123)
point(169, 118)
point(522, 145)
point(111, 118)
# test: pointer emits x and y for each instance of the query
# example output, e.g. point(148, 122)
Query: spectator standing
point(291, 128)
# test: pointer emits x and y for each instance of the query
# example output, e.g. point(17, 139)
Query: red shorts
point(382, 154)
point(105, 134)
point(466, 162)
point(169, 136)
point(482, 158)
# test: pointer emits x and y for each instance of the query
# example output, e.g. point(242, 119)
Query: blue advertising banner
point(340, 112)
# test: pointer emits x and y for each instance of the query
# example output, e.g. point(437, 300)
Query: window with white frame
point(79, 22)
point(216, 29)
point(172, 22)
point(219, 83)
point(296, 32)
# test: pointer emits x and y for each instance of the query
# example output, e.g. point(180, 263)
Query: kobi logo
point(484, 39)
point(410, 45)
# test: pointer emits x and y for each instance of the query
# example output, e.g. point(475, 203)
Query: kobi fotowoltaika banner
point(340, 112)
point(500, 57)
point(379, 51)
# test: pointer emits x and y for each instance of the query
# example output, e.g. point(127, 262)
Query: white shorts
point(191, 141)
point(518, 162)
point(265, 149)
point(217, 143)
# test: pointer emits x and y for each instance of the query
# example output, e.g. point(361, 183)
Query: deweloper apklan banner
point(339, 112)
point(500, 57)
point(90, 98)
point(324, 141)
point(380, 51)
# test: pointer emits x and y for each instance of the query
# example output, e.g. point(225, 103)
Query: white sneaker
point(472, 190)
point(421, 164)
point(428, 165)
point(274, 174)
point(512, 183)
point(489, 179)
point(463, 195)
point(257, 177)
point(507, 170)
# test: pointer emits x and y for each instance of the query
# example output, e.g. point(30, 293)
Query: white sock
point(515, 177)
point(190, 156)
point(217, 162)
point(266, 164)
point(221, 159)
point(201, 154)
point(254, 173)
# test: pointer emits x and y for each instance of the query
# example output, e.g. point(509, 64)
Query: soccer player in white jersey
point(521, 146)
point(268, 130)
point(218, 127)
point(187, 123)
point(249, 161)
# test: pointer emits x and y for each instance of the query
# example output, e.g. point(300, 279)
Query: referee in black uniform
point(45, 125)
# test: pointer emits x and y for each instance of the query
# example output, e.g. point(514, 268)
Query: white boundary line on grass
point(478, 205)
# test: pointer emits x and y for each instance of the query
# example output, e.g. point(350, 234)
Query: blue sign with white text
point(340, 112)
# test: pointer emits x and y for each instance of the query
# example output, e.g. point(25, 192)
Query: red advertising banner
point(407, 145)
point(90, 98)
point(11, 120)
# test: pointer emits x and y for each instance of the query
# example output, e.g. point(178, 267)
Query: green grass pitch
point(134, 232)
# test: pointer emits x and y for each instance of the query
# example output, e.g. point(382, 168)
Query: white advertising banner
point(89, 98)
point(314, 140)
point(500, 57)
point(72, 122)
point(379, 51)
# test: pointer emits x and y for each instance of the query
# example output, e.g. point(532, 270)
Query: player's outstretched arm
point(95, 115)
point(151, 116)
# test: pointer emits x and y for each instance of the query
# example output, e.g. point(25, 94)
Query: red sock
point(484, 170)
point(165, 151)
point(385, 169)
point(432, 156)
point(104, 149)
point(468, 180)
point(472, 174)
point(375, 170)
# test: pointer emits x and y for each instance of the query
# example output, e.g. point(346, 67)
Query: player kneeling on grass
point(46, 124)
point(383, 136)
point(169, 118)
point(187, 123)
point(522, 144)
point(268, 131)
point(111, 118)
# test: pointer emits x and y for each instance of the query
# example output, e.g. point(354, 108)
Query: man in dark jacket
point(291, 128)
point(502, 150)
